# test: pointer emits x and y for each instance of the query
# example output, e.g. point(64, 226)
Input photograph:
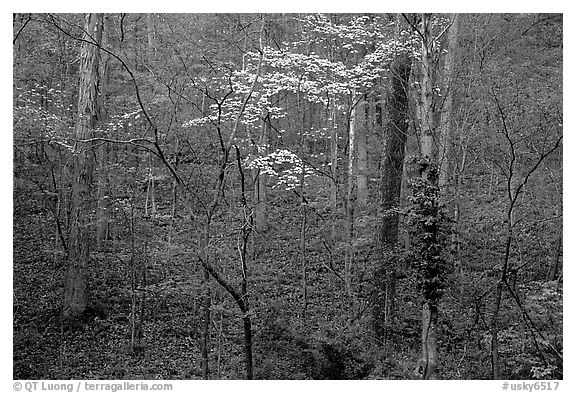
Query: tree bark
point(260, 210)
point(426, 105)
point(430, 314)
point(362, 173)
point(430, 341)
point(207, 295)
point(395, 135)
point(76, 290)
point(334, 167)
point(350, 200)
point(303, 242)
point(556, 263)
point(151, 35)
point(103, 226)
point(446, 131)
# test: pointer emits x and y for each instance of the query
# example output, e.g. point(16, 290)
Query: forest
point(287, 196)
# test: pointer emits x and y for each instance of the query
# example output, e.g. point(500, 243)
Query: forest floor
point(332, 337)
point(327, 340)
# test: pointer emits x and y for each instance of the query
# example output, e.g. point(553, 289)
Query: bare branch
point(21, 28)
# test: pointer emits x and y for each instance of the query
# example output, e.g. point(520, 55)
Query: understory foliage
point(245, 141)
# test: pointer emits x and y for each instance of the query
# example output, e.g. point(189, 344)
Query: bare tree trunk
point(334, 168)
point(207, 304)
point(446, 134)
point(350, 200)
point(302, 143)
point(455, 239)
point(430, 314)
point(151, 35)
point(174, 208)
point(430, 341)
point(103, 226)
point(446, 131)
point(303, 244)
point(494, 327)
point(362, 174)
point(554, 270)
point(102, 230)
point(426, 105)
point(76, 291)
point(245, 304)
point(260, 210)
point(150, 191)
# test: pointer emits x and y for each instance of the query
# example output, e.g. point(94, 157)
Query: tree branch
point(21, 28)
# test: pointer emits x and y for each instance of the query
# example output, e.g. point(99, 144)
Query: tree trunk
point(76, 290)
point(334, 168)
point(103, 226)
point(494, 326)
point(446, 131)
point(455, 239)
point(248, 346)
point(362, 175)
point(303, 243)
point(151, 35)
point(350, 200)
point(207, 303)
point(555, 265)
point(395, 135)
point(260, 210)
point(426, 105)
point(430, 314)
point(430, 341)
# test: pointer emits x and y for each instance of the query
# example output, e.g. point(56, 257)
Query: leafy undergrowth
point(330, 339)
point(326, 341)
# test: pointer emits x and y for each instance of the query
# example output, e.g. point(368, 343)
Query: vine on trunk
point(428, 225)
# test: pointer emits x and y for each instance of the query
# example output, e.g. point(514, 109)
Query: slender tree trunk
point(248, 346)
point(455, 239)
point(150, 190)
point(151, 35)
point(350, 199)
point(334, 168)
point(245, 301)
point(494, 326)
point(76, 290)
point(430, 314)
point(103, 226)
point(446, 131)
point(430, 341)
point(426, 106)
point(446, 135)
point(174, 208)
point(303, 244)
point(260, 179)
point(102, 230)
point(207, 304)
point(302, 142)
point(555, 265)
point(362, 173)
